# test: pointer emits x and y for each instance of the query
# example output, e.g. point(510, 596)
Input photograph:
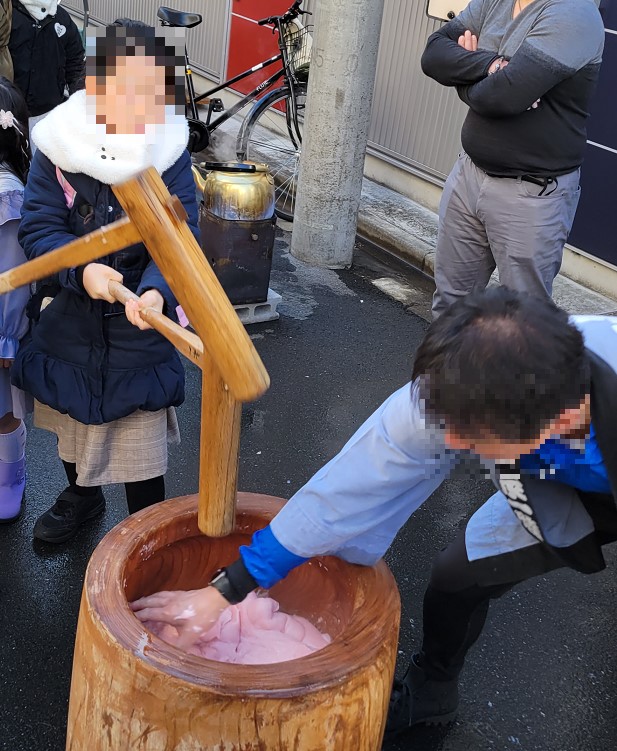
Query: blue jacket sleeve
point(267, 560)
point(354, 506)
point(179, 181)
point(45, 217)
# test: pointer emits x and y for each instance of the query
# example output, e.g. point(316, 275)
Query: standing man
point(502, 374)
point(527, 70)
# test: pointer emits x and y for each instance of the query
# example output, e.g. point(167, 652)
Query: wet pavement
point(543, 676)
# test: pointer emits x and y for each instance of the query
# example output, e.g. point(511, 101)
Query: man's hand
point(191, 613)
point(96, 280)
point(468, 41)
point(5, 362)
point(150, 299)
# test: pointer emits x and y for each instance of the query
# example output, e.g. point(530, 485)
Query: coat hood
point(40, 9)
point(72, 141)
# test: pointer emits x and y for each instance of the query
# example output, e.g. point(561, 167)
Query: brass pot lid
point(243, 167)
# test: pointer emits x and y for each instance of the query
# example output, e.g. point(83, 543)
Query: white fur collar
point(40, 9)
point(72, 141)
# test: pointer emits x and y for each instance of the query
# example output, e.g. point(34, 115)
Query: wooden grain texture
point(219, 452)
point(84, 250)
point(190, 345)
point(178, 255)
point(131, 690)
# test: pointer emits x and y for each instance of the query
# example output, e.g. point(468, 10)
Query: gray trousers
point(504, 223)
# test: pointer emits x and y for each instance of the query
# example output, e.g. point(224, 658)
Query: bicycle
point(271, 131)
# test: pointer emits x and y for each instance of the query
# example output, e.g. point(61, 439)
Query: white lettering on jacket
point(514, 491)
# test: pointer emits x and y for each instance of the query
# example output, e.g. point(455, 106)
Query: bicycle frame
point(229, 113)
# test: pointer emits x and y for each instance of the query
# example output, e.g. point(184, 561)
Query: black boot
point(68, 513)
point(418, 700)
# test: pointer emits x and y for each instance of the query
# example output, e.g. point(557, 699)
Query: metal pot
point(238, 191)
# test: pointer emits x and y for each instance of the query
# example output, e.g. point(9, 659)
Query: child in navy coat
point(104, 381)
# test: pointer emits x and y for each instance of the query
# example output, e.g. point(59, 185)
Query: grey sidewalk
point(407, 230)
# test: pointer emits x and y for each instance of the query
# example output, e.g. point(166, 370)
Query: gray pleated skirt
point(131, 449)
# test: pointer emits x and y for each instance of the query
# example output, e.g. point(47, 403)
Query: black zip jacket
point(48, 56)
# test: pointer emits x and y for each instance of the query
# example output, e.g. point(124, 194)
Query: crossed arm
point(549, 55)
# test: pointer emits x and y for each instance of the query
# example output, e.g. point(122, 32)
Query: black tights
point(139, 495)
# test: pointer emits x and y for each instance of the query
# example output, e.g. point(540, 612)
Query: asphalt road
point(542, 677)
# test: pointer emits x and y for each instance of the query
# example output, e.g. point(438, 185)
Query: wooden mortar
point(131, 690)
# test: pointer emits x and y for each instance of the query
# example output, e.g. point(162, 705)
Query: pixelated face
point(131, 96)
point(133, 75)
point(572, 422)
point(493, 448)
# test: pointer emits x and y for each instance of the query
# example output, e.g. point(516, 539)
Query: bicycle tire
point(265, 136)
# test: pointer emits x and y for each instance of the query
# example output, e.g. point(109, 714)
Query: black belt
point(544, 182)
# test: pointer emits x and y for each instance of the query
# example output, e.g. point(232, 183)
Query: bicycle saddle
point(172, 17)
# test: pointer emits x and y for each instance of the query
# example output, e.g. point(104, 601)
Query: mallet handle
point(160, 220)
point(189, 344)
point(85, 249)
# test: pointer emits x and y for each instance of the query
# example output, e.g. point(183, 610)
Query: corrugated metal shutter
point(207, 42)
point(415, 121)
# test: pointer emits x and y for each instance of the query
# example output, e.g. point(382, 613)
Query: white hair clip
point(7, 120)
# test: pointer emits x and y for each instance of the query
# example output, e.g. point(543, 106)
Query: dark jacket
point(572, 524)
point(45, 62)
point(6, 64)
point(82, 356)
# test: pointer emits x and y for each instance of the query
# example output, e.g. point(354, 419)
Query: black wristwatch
point(233, 582)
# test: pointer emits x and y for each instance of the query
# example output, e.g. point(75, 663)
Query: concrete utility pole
point(338, 111)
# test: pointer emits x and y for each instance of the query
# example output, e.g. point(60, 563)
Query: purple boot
point(12, 484)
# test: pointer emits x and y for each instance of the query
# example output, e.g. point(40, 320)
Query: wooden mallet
point(232, 371)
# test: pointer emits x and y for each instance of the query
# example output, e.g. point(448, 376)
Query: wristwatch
point(220, 582)
point(498, 65)
point(234, 582)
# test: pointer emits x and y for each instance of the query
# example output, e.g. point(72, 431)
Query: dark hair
point(14, 144)
point(127, 38)
point(502, 363)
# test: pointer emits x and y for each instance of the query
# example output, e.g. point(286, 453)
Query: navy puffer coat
point(82, 356)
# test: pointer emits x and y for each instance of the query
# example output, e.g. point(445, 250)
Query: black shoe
point(68, 513)
point(417, 700)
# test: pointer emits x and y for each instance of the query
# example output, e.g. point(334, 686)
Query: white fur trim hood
point(71, 140)
point(40, 9)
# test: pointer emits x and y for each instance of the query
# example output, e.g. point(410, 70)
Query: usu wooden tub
point(131, 690)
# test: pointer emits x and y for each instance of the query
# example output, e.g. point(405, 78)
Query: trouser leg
point(527, 231)
point(463, 260)
point(457, 598)
point(455, 611)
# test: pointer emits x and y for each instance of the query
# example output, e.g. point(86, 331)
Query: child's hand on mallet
point(152, 298)
point(96, 280)
point(191, 613)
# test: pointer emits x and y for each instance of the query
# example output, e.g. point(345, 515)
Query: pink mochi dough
point(254, 632)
